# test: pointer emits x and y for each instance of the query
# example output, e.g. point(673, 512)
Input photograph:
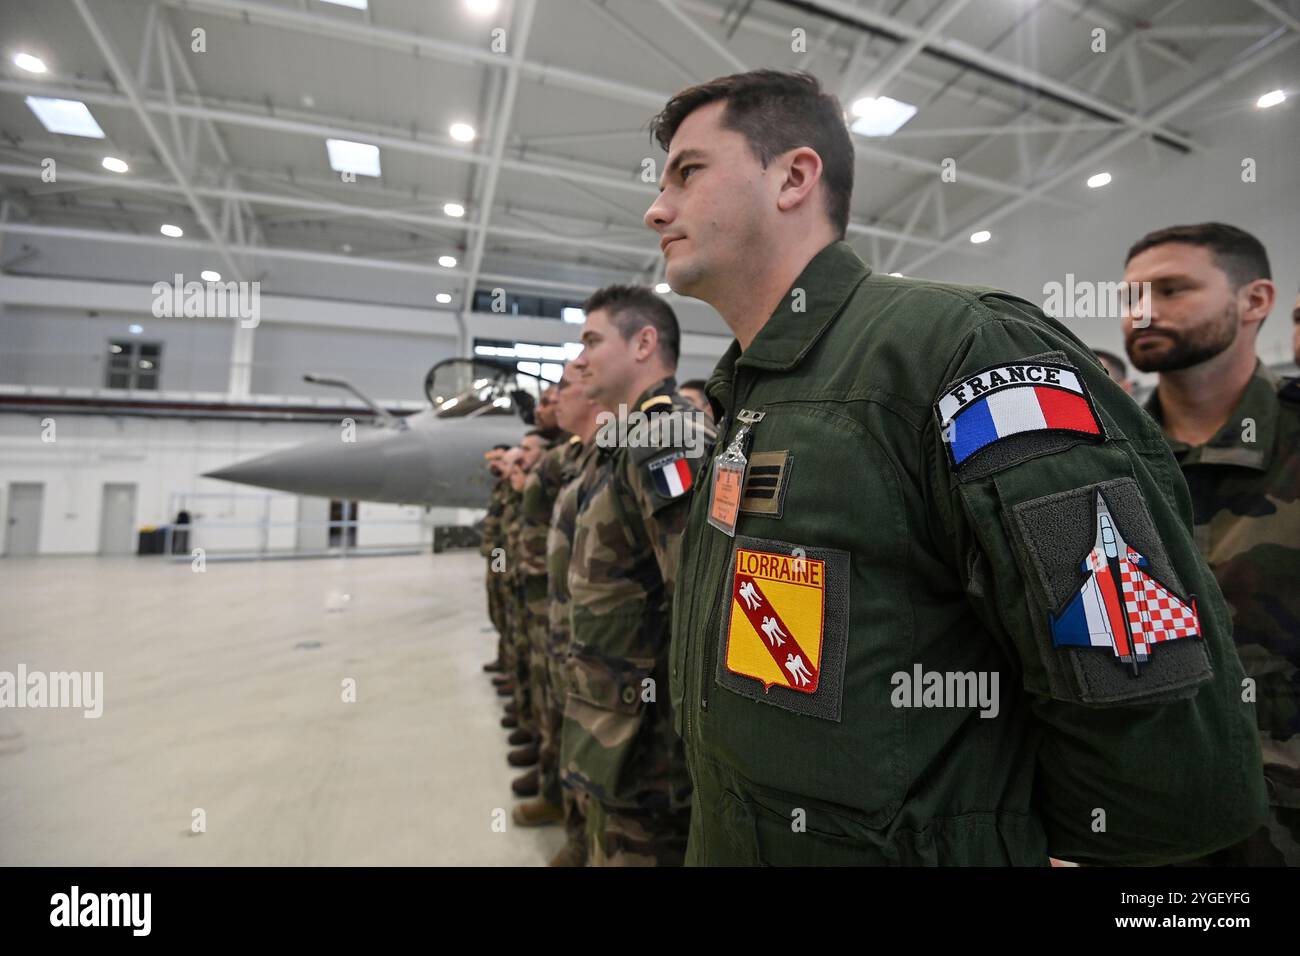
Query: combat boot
point(537, 813)
point(526, 786)
point(523, 757)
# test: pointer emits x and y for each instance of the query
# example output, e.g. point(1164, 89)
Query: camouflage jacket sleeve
point(535, 511)
point(492, 522)
point(1048, 527)
point(665, 502)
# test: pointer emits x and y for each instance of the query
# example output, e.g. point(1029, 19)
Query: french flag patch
point(1004, 400)
point(671, 476)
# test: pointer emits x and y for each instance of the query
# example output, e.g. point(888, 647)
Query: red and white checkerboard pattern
point(1153, 613)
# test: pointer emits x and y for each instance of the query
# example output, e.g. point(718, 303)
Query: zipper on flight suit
point(704, 671)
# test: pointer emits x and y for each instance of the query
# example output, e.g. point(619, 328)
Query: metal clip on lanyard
point(729, 475)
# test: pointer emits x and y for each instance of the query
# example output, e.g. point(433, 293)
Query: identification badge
point(729, 476)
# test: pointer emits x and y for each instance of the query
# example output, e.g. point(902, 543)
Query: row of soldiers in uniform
point(913, 477)
point(581, 543)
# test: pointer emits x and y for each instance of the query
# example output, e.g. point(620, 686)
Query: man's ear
point(647, 342)
point(803, 171)
point(1257, 298)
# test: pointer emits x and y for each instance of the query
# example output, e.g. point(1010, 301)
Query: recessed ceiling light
point(114, 165)
point(346, 248)
point(663, 288)
point(1270, 99)
point(880, 115)
point(573, 316)
point(135, 329)
point(354, 4)
point(70, 117)
point(210, 275)
point(349, 157)
point(1099, 180)
point(462, 132)
point(32, 64)
point(897, 275)
point(447, 262)
point(481, 7)
point(982, 236)
point(442, 297)
point(454, 209)
point(173, 232)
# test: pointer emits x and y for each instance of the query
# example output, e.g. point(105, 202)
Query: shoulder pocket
point(1111, 620)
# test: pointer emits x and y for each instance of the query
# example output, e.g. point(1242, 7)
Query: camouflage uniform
point(574, 458)
point(493, 538)
point(1245, 485)
point(617, 742)
point(512, 585)
point(540, 491)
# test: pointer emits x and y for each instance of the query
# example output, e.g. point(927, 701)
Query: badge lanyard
point(729, 475)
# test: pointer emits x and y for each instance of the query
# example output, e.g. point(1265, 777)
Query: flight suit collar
point(1258, 403)
point(827, 281)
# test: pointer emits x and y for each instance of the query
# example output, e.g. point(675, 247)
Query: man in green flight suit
point(939, 601)
point(617, 743)
point(1235, 430)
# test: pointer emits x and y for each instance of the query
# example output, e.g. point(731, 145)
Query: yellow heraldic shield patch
point(778, 604)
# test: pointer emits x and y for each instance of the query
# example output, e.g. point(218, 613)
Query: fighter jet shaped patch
point(1120, 606)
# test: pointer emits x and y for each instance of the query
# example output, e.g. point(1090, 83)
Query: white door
point(117, 520)
point(23, 529)
point(313, 529)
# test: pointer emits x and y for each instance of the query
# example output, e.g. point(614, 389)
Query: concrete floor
point(209, 703)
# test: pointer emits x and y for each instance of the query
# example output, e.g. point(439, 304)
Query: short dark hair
point(696, 383)
point(776, 112)
point(1113, 359)
point(1236, 252)
point(501, 447)
point(633, 307)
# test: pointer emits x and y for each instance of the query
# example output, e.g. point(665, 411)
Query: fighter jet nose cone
point(328, 469)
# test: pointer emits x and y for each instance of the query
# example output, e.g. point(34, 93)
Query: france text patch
point(1013, 399)
point(671, 475)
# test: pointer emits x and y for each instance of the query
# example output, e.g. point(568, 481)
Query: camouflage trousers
point(520, 659)
point(631, 838)
point(575, 822)
point(550, 719)
point(528, 670)
point(496, 601)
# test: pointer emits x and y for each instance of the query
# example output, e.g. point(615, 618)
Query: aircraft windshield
point(468, 388)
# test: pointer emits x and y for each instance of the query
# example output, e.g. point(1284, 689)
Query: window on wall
point(133, 364)
point(532, 358)
point(539, 306)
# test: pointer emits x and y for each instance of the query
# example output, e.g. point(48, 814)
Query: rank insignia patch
point(671, 475)
point(766, 479)
point(1120, 605)
point(1014, 399)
